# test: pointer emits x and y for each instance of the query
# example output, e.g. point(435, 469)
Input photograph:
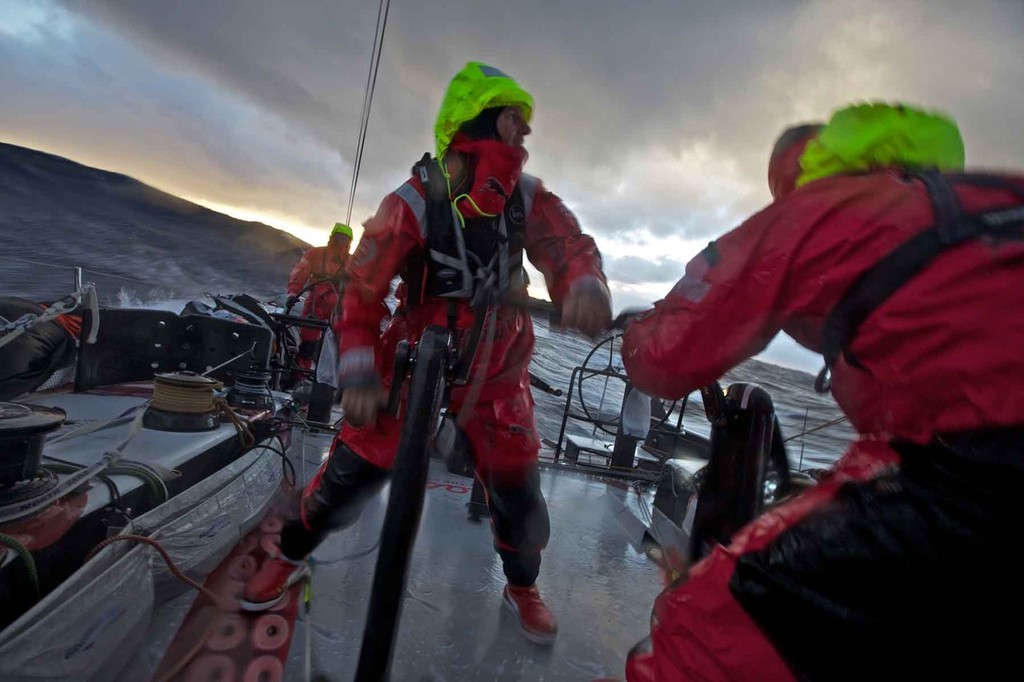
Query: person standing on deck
point(318, 274)
point(465, 217)
point(906, 274)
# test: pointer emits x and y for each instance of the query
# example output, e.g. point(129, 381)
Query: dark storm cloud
point(654, 119)
point(611, 79)
point(703, 86)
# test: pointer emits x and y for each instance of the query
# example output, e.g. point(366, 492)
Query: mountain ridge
point(126, 234)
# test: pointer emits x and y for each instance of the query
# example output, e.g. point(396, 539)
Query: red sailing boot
point(266, 589)
point(539, 626)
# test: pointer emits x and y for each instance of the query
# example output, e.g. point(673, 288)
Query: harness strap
point(952, 228)
point(483, 297)
point(457, 249)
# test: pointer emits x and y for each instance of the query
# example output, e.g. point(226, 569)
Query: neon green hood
point(870, 136)
point(475, 88)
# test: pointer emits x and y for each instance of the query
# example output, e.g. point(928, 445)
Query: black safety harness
point(457, 258)
point(479, 261)
point(952, 228)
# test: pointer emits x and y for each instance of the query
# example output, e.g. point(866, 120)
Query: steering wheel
point(610, 426)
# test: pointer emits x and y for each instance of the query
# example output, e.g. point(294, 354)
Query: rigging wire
point(101, 273)
point(371, 83)
point(819, 427)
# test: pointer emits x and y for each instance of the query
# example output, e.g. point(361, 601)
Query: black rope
point(115, 494)
point(65, 462)
point(286, 464)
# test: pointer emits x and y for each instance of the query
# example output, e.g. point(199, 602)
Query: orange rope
point(218, 606)
point(167, 559)
point(72, 324)
point(244, 433)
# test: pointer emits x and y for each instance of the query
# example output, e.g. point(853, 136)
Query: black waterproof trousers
point(337, 495)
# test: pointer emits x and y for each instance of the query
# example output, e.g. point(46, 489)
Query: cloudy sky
point(653, 119)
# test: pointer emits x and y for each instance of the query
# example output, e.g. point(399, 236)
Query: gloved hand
point(361, 404)
point(292, 300)
point(588, 307)
point(362, 395)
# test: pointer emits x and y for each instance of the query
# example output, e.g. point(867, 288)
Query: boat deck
point(594, 577)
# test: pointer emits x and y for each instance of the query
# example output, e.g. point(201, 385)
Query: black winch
point(251, 391)
point(23, 429)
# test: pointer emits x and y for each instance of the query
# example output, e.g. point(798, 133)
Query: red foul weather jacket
point(317, 263)
point(941, 354)
point(396, 236)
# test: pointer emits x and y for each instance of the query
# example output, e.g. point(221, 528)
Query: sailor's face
point(340, 242)
point(512, 127)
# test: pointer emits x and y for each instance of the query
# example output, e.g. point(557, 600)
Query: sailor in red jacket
point(318, 275)
point(907, 275)
point(487, 217)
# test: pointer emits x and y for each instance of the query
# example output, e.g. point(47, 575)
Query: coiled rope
point(184, 393)
point(191, 394)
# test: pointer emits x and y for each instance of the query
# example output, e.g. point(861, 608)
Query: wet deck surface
point(599, 585)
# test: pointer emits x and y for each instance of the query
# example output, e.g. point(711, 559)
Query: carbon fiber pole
point(405, 506)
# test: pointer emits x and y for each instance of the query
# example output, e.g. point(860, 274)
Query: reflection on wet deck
point(453, 628)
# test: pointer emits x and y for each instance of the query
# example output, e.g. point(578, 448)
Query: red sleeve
point(557, 247)
point(724, 310)
point(388, 239)
point(300, 273)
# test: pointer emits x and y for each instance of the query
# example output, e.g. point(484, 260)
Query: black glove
point(292, 300)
